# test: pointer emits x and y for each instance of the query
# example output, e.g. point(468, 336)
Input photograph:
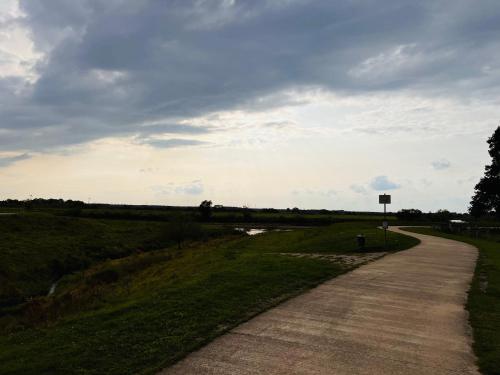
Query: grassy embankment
point(483, 300)
point(37, 249)
point(143, 312)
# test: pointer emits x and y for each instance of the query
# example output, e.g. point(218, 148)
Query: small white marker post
point(385, 199)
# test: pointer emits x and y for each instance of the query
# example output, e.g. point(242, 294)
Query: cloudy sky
point(282, 103)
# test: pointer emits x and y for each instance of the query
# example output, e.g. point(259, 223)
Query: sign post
point(385, 200)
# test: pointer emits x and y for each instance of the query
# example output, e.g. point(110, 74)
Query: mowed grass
point(338, 238)
point(144, 312)
point(483, 300)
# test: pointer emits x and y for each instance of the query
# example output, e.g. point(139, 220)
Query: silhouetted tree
point(42, 203)
point(206, 209)
point(486, 199)
point(409, 214)
point(441, 215)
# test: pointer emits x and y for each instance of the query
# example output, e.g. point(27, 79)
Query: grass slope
point(37, 249)
point(144, 312)
point(483, 300)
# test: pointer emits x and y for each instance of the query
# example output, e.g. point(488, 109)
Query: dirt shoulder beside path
point(402, 314)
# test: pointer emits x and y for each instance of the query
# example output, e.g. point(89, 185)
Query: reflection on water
point(254, 231)
point(251, 231)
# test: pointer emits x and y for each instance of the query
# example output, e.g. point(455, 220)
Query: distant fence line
point(471, 231)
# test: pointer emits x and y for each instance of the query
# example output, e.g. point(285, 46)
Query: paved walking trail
point(402, 314)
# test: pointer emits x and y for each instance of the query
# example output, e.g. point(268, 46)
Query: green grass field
point(483, 300)
point(142, 312)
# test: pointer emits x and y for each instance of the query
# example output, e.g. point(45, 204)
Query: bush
point(409, 214)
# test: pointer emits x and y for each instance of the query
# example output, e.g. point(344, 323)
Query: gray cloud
point(8, 160)
point(381, 183)
point(279, 124)
point(174, 142)
point(440, 164)
point(111, 66)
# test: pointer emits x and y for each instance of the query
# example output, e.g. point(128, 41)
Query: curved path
point(402, 314)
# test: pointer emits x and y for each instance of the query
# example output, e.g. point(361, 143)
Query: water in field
point(251, 231)
point(254, 231)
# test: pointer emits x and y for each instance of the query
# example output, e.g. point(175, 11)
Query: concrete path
point(402, 314)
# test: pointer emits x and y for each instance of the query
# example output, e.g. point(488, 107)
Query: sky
point(263, 103)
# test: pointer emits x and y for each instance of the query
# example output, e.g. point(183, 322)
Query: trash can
point(360, 239)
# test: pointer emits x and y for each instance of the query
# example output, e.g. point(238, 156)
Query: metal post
point(385, 229)
point(385, 200)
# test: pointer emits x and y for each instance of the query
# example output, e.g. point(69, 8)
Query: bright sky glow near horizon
point(313, 104)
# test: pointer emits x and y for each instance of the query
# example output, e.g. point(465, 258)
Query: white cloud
point(360, 189)
point(318, 192)
point(193, 188)
point(17, 51)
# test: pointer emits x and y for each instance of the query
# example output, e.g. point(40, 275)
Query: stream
point(52, 289)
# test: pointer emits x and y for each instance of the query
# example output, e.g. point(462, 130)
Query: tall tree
point(486, 199)
point(206, 209)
